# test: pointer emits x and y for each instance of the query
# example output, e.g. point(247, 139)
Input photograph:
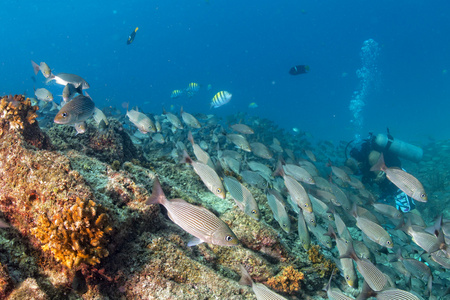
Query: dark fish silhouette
point(300, 69)
point(131, 37)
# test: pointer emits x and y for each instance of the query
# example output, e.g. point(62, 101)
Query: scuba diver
point(366, 153)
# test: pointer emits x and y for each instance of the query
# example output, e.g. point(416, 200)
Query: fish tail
point(191, 138)
point(380, 165)
point(331, 233)
point(186, 158)
point(279, 170)
point(50, 78)
point(35, 67)
point(354, 210)
point(157, 196)
point(350, 253)
point(245, 277)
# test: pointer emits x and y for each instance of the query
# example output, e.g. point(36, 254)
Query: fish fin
point(79, 90)
point(350, 253)
point(186, 158)
point(366, 292)
point(380, 165)
point(279, 170)
point(245, 277)
point(430, 284)
point(194, 242)
point(331, 233)
point(50, 78)
point(3, 224)
point(35, 67)
point(157, 196)
point(190, 137)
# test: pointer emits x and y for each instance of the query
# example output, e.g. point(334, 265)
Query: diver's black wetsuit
point(389, 192)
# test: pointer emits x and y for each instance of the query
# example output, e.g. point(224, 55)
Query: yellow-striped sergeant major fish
point(131, 36)
point(221, 98)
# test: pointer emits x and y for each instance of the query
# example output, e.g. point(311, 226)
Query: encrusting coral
point(322, 266)
point(288, 281)
point(79, 234)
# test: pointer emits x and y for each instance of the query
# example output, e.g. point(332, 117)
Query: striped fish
point(409, 184)
point(77, 110)
point(261, 291)
point(374, 231)
point(335, 293)
point(221, 98)
point(176, 94)
point(298, 173)
point(374, 277)
point(395, 294)
point(243, 197)
point(207, 175)
point(193, 87)
point(198, 221)
point(296, 190)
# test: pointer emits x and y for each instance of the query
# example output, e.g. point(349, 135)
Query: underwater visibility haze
point(224, 149)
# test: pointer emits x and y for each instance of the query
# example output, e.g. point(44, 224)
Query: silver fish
point(303, 232)
point(143, 123)
point(260, 168)
point(298, 173)
point(339, 173)
point(77, 110)
point(242, 128)
point(99, 116)
point(387, 210)
point(395, 294)
point(278, 208)
point(253, 178)
point(260, 150)
point(310, 155)
point(69, 92)
point(64, 79)
point(321, 208)
point(200, 154)
point(341, 198)
point(80, 127)
point(189, 119)
point(346, 263)
point(43, 94)
point(373, 276)
point(296, 190)
point(261, 291)
point(319, 232)
point(173, 119)
point(243, 197)
point(335, 293)
point(207, 175)
point(239, 141)
point(43, 67)
point(159, 138)
point(409, 184)
point(196, 220)
point(374, 231)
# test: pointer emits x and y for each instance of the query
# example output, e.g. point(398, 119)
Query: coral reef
point(79, 234)
point(323, 267)
point(288, 281)
point(17, 114)
point(108, 145)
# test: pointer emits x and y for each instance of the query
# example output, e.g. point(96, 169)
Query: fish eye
point(306, 205)
point(228, 238)
point(347, 277)
point(64, 115)
point(388, 242)
point(422, 196)
point(219, 190)
point(253, 211)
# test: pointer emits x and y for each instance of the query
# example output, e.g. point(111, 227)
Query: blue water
point(246, 48)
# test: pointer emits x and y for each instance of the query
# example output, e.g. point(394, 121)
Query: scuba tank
point(383, 142)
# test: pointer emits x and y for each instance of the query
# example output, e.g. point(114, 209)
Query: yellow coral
point(79, 234)
point(17, 111)
point(323, 266)
point(288, 281)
